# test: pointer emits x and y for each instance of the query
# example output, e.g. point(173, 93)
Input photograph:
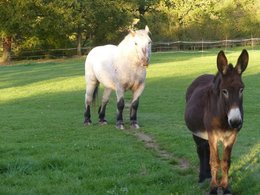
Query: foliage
point(43, 24)
point(45, 149)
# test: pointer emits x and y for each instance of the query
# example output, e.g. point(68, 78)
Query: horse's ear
point(222, 63)
point(242, 62)
point(147, 29)
point(132, 32)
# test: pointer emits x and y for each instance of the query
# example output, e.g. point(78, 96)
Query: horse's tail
point(95, 96)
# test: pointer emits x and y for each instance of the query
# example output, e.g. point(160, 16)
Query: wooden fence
point(174, 46)
point(203, 45)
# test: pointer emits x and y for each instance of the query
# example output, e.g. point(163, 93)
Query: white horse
point(118, 68)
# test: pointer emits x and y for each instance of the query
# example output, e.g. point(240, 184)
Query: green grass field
point(45, 149)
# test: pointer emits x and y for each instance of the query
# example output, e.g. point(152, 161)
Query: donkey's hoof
point(227, 191)
point(87, 122)
point(134, 125)
point(214, 191)
point(120, 125)
point(103, 122)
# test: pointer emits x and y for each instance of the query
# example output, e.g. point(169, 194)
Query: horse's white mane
point(128, 38)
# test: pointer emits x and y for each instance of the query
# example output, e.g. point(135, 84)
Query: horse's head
point(230, 87)
point(142, 43)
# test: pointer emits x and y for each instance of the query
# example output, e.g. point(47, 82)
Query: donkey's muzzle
point(235, 118)
point(235, 123)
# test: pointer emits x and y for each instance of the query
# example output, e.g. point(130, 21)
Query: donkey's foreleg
point(88, 100)
point(226, 161)
point(120, 108)
point(134, 105)
point(102, 108)
point(214, 162)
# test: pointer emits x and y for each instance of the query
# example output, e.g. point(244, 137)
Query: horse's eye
point(225, 92)
point(136, 43)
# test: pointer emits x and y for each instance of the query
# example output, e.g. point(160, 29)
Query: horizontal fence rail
point(174, 46)
point(203, 45)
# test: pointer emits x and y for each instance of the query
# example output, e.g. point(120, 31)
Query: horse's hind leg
point(102, 108)
point(204, 155)
point(91, 87)
point(120, 108)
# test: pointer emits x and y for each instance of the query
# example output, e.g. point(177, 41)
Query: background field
point(45, 149)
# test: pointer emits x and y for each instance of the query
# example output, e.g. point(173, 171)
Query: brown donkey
point(214, 112)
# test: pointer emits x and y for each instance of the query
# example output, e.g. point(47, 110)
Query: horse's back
point(196, 101)
point(99, 64)
point(101, 54)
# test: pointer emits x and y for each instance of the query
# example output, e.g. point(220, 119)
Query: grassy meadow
point(45, 149)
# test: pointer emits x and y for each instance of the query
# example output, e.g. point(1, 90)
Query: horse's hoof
point(134, 125)
point(87, 122)
point(120, 125)
point(103, 122)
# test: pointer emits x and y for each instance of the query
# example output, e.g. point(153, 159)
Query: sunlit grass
point(45, 148)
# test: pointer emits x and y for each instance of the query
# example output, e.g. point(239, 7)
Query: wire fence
point(174, 46)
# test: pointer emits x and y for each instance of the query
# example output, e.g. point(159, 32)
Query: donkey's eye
point(225, 92)
point(241, 91)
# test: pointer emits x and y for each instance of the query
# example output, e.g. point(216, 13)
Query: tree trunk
point(7, 45)
point(79, 40)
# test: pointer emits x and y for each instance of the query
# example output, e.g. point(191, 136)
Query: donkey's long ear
point(242, 62)
point(222, 63)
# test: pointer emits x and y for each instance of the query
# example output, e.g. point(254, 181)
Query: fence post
point(202, 45)
point(226, 44)
point(252, 42)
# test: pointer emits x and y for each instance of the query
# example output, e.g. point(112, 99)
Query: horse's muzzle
point(145, 62)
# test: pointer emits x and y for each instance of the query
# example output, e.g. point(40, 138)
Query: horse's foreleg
point(120, 108)
point(102, 108)
point(214, 162)
point(134, 105)
point(133, 114)
point(88, 99)
point(226, 161)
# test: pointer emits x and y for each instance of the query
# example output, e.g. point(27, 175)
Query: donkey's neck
point(217, 108)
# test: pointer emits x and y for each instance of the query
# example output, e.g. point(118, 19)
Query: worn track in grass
point(151, 144)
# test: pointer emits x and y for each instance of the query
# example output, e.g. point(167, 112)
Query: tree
point(15, 21)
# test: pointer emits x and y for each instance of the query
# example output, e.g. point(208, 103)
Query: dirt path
point(152, 145)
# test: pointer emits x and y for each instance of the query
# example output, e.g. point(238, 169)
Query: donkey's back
point(196, 99)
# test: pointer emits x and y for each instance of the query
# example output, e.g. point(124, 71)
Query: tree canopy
point(43, 24)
